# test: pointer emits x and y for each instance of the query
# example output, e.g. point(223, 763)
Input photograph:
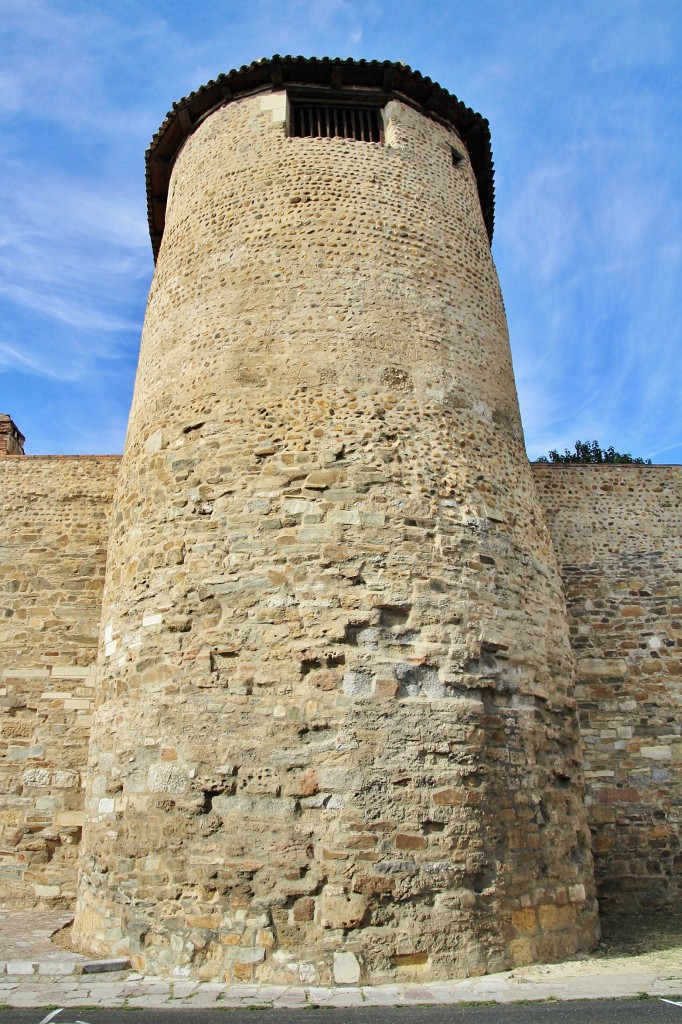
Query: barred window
point(331, 121)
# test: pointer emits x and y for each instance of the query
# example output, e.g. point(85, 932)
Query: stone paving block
point(21, 997)
point(385, 995)
point(319, 993)
point(148, 1001)
point(345, 997)
point(181, 989)
point(115, 989)
point(487, 985)
point(244, 991)
point(416, 994)
point(96, 980)
point(291, 997)
point(445, 994)
point(56, 967)
point(148, 985)
point(20, 967)
point(210, 991)
point(68, 992)
point(105, 966)
point(202, 1000)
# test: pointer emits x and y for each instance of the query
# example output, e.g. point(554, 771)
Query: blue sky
point(585, 105)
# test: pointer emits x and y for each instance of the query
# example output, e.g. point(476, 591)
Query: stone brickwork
point(55, 514)
point(336, 735)
point(616, 530)
point(11, 438)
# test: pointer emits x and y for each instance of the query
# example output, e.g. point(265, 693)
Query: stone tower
point(336, 736)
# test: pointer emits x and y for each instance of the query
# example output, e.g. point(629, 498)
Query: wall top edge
point(602, 466)
point(26, 459)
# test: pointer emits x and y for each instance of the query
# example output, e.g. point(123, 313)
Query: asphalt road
point(617, 1011)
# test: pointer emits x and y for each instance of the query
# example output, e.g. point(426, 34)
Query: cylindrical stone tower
point(336, 737)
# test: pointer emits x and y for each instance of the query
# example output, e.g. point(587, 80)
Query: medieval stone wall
point(55, 516)
point(335, 735)
point(616, 530)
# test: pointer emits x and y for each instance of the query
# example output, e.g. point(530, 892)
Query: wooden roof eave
point(392, 80)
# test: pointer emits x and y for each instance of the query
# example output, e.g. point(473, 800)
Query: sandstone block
point(204, 921)
point(522, 952)
point(661, 752)
point(11, 817)
point(416, 959)
point(408, 842)
point(66, 780)
point(37, 777)
point(346, 911)
point(447, 797)
point(47, 892)
point(320, 479)
point(525, 920)
point(346, 968)
point(69, 818)
point(166, 778)
point(609, 668)
point(249, 954)
point(304, 909)
point(372, 885)
point(308, 784)
point(551, 916)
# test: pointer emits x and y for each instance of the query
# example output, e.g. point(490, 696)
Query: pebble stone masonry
point(335, 736)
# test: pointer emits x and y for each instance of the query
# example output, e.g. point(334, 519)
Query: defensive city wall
point(322, 680)
point(615, 529)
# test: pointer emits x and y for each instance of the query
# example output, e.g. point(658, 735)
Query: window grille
point(324, 121)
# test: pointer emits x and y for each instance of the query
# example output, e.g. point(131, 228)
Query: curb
point(61, 968)
point(109, 984)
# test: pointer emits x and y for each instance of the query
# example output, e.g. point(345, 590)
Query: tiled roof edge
point(394, 79)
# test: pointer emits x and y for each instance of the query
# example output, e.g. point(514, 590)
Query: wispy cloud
point(69, 259)
point(589, 256)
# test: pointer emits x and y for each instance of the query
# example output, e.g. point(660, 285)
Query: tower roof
point(340, 79)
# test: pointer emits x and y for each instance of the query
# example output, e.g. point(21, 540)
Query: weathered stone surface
point(346, 968)
point(11, 438)
point(346, 910)
point(617, 533)
point(328, 573)
point(52, 554)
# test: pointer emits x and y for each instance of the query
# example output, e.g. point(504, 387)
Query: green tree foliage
point(592, 452)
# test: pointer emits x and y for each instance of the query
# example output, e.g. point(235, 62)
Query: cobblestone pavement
point(35, 973)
